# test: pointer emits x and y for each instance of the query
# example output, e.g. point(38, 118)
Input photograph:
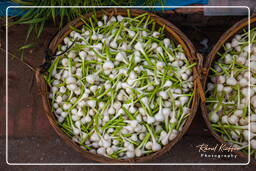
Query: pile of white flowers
point(229, 96)
point(122, 89)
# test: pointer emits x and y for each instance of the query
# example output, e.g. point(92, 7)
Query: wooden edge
point(181, 10)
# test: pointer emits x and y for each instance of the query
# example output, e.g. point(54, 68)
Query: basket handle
point(42, 86)
point(199, 77)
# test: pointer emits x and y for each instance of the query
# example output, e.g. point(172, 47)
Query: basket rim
point(170, 29)
point(210, 58)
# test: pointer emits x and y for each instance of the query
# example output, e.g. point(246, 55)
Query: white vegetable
point(112, 89)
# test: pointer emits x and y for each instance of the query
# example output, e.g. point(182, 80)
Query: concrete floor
point(32, 140)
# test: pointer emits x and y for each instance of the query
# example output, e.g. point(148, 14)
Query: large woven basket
point(172, 32)
point(227, 36)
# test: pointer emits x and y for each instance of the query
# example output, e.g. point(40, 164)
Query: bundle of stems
point(36, 18)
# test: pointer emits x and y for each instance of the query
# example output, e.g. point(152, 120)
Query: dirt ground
point(32, 140)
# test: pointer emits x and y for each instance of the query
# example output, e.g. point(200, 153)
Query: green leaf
point(53, 15)
point(21, 2)
point(40, 29)
point(26, 46)
point(31, 27)
point(33, 21)
point(75, 29)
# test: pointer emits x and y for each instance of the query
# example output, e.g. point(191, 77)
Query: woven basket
point(227, 36)
point(172, 32)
